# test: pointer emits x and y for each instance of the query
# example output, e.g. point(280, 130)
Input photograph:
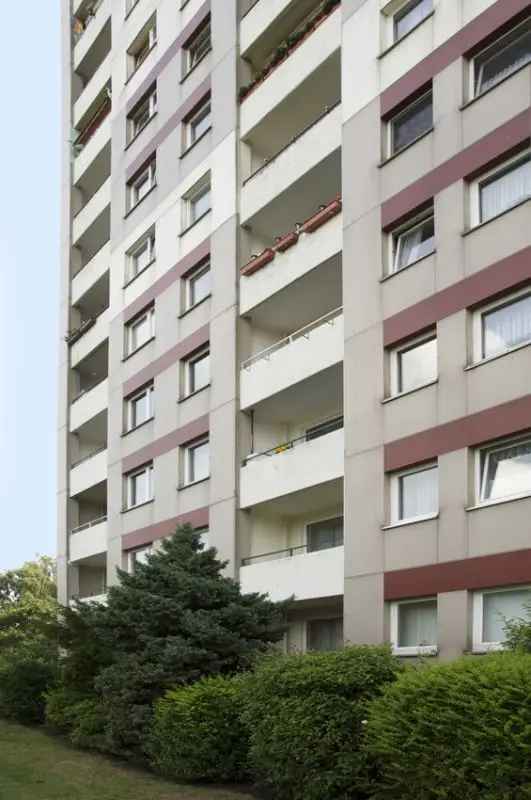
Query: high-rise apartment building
point(296, 304)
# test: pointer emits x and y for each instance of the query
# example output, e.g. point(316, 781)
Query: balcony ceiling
point(311, 400)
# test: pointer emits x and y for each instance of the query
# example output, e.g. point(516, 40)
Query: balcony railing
point(327, 319)
point(92, 126)
point(76, 333)
point(90, 455)
point(87, 525)
point(289, 552)
point(86, 389)
point(314, 432)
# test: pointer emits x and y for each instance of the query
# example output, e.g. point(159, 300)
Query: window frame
point(189, 364)
point(396, 493)
point(489, 176)
point(129, 478)
point(401, 12)
point(481, 468)
point(406, 227)
point(149, 392)
point(199, 270)
point(188, 61)
point(188, 128)
point(141, 46)
point(411, 650)
point(391, 121)
point(308, 525)
point(149, 240)
point(473, 91)
point(148, 550)
point(149, 315)
point(478, 336)
point(149, 100)
point(395, 370)
point(478, 644)
point(148, 174)
point(189, 478)
point(202, 187)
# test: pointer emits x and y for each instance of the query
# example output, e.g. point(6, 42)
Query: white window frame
point(477, 326)
point(395, 483)
point(147, 315)
point(391, 121)
point(148, 469)
point(189, 62)
point(137, 52)
point(149, 392)
point(478, 645)
point(481, 470)
point(393, 240)
point(149, 101)
point(189, 365)
point(417, 650)
point(392, 38)
point(204, 533)
point(328, 518)
point(499, 45)
point(133, 556)
point(149, 241)
point(203, 111)
point(195, 193)
point(149, 174)
point(189, 302)
point(486, 177)
point(189, 478)
point(394, 363)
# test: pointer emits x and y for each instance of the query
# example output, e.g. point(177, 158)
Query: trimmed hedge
point(305, 716)
point(23, 686)
point(459, 730)
point(197, 734)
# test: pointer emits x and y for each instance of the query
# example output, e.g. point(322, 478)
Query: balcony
point(92, 140)
point(309, 350)
point(88, 100)
point(89, 404)
point(91, 337)
point(89, 372)
point(306, 576)
point(92, 36)
point(88, 579)
point(89, 539)
point(90, 273)
point(292, 467)
point(89, 472)
point(265, 23)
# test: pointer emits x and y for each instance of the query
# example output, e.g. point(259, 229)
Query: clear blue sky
point(29, 278)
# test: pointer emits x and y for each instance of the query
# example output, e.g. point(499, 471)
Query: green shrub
point(23, 686)
point(89, 730)
point(60, 708)
point(305, 716)
point(197, 733)
point(459, 730)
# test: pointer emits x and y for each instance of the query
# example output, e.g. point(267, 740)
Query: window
point(198, 123)
point(502, 58)
point(197, 202)
point(140, 407)
point(196, 48)
point(492, 610)
point(502, 188)
point(139, 117)
point(505, 470)
point(197, 466)
point(142, 46)
point(415, 494)
point(324, 535)
point(412, 122)
point(140, 330)
point(413, 241)
point(197, 286)
point(139, 486)
point(139, 556)
point(198, 372)
point(323, 428)
point(324, 634)
point(414, 365)
point(414, 626)
point(142, 184)
point(204, 537)
point(140, 256)
point(409, 16)
point(503, 326)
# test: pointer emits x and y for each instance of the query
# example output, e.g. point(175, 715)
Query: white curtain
point(325, 634)
point(507, 190)
point(409, 19)
point(499, 607)
point(417, 624)
point(507, 327)
point(419, 493)
point(508, 471)
point(415, 244)
point(504, 63)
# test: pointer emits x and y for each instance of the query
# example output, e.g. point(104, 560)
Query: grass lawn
point(36, 766)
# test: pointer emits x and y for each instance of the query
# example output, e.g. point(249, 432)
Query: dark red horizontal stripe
point(183, 435)
point(482, 572)
point(470, 431)
point(197, 519)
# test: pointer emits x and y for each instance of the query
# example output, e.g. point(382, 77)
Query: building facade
point(296, 306)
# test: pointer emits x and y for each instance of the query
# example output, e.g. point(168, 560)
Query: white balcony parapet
point(292, 467)
point(89, 539)
point(88, 472)
point(90, 93)
point(304, 353)
point(88, 404)
point(259, 17)
point(92, 598)
point(91, 272)
point(93, 336)
point(300, 574)
point(91, 210)
point(93, 147)
point(100, 13)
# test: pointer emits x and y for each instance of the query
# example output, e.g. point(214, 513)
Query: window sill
point(501, 501)
point(497, 356)
point(405, 36)
point(191, 146)
point(405, 147)
point(416, 652)
point(390, 275)
point(138, 274)
point(409, 391)
point(197, 63)
point(140, 132)
point(193, 394)
point(184, 486)
point(194, 223)
point(484, 649)
point(137, 69)
point(196, 305)
point(140, 505)
point(133, 208)
point(138, 349)
point(501, 214)
point(413, 521)
point(132, 430)
point(491, 88)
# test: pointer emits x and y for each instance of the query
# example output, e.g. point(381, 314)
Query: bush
point(60, 708)
point(459, 730)
point(197, 733)
point(305, 716)
point(82, 719)
point(23, 686)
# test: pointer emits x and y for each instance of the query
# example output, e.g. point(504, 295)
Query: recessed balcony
point(88, 579)
point(92, 141)
point(89, 404)
point(90, 273)
point(87, 102)
point(92, 37)
point(89, 539)
point(89, 218)
point(87, 473)
point(295, 572)
point(92, 337)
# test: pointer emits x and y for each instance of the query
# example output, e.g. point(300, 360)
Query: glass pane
point(199, 287)
point(325, 534)
point(506, 327)
point(501, 60)
point(142, 187)
point(141, 258)
point(411, 15)
point(417, 624)
point(200, 46)
point(325, 634)
point(200, 462)
point(140, 409)
point(505, 190)
point(419, 493)
point(417, 366)
point(411, 123)
point(201, 123)
point(499, 607)
point(140, 332)
point(415, 243)
point(140, 488)
point(507, 471)
point(200, 205)
point(200, 373)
